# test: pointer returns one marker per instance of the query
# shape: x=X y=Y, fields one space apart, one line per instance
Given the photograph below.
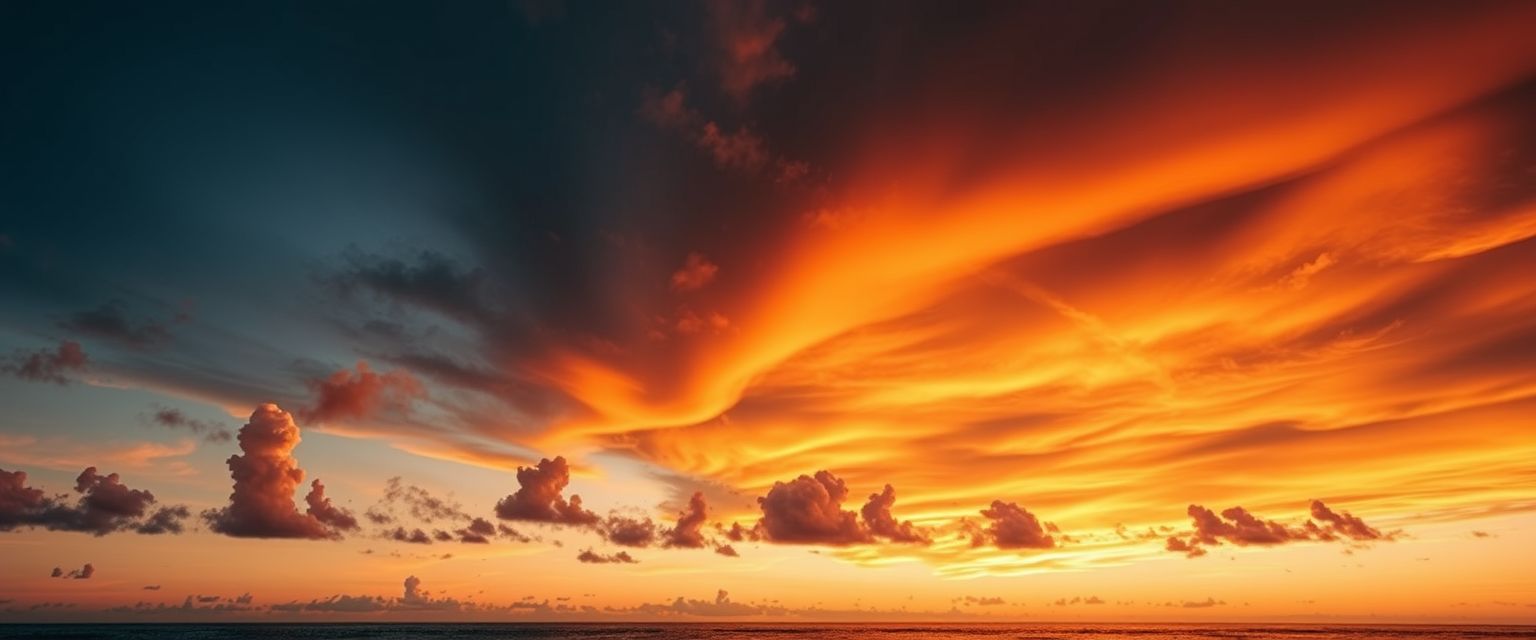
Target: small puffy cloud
x=348 y=395
x=538 y=497
x=83 y=573
x=1012 y=527
x=412 y=536
x=106 y=505
x=628 y=532
x=266 y=476
x=696 y=272
x=44 y=365
x=741 y=149
x=1202 y=604
x=877 y=516
x=980 y=601
x=688 y=533
x=591 y=557
x=810 y=510
x=727 y=551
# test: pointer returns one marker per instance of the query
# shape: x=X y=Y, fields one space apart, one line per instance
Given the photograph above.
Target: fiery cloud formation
x=266 y=476
x=877 y=300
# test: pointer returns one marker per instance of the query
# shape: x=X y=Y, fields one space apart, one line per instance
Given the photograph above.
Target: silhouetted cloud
x=105 y=506
x=688 y=533
x=727 y=550
x=83 y=573
x=1012 y=527
x=266 y=477
x=413 y=536
x=809 y=510
x=43 y=365
x=538 y=498
x=320 y=508
x=591 y=557
x=627 y=531
x=877 y=515
x=1237 y=526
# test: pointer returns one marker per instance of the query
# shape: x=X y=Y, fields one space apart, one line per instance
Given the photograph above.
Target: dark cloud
x=479 y=531
x=83 y=573
x=810 y=510
x=1012 y=527
x=591 y=557
x=151 y=587
x=110 y=322
x=348 y=395
x=1239 y=527
x=538 y=498
x=727 y=550
x=105 y=506
x=413 y=536
x=320 y=508
x=1343 y=523
x=43 y=365
x=266 y=477
x=877 y=516
x=175 y=419
x=627 y=531
x=720 y=606
x=688 y=533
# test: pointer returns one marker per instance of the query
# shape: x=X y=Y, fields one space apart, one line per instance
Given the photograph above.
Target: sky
x=770 y=311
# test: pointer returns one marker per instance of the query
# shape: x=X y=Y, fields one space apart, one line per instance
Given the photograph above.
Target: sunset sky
x=1058 y=311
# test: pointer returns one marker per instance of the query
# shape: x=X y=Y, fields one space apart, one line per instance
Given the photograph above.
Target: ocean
x=521 y=631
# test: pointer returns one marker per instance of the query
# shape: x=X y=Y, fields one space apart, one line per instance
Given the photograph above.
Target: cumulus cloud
x=83 y=573
x=44 y=365
x=1343 y=523
x=538 y=497
x=320 y=508
x=696 y=272
x=1238 y=526
x=266 y=477
x=105 y=506
x=362 y=394
x=175 y=419
x=720 y=606
x=810 y=510
x=627 y=531
x=412 y=536
x=1012 y=527
x=877 y=516
x=688 y=533
x=591 y=557
x=727 y=550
